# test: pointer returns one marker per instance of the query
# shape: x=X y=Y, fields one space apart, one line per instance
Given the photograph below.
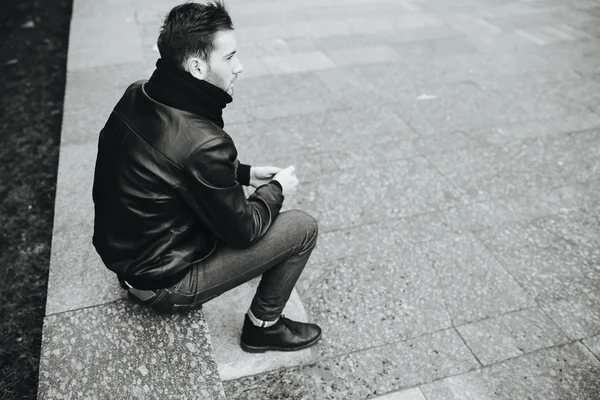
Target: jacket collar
x=177 y=88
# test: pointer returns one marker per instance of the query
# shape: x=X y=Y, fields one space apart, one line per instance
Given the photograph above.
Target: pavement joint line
x=318 y=360
x=85 y=307
x=474 y=231
x=552 y=319
x=393 y=391
x=588 y=349
x=567 y=298
x=500 y=362
x=433 y=263
x=490 y=317
x=446 y=179
x=502 y=265
x=335 y=356
x=570 y=342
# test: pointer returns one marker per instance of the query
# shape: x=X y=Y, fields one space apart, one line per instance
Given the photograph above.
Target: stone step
x=122 y=350
x=225 y=315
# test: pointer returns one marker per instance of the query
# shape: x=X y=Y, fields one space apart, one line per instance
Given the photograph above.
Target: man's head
x=200 y=38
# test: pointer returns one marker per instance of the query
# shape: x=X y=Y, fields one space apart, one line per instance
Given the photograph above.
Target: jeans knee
x=309 y=225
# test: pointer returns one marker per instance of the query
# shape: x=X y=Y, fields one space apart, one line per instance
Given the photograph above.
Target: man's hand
x=262 y=175
x=287 y=178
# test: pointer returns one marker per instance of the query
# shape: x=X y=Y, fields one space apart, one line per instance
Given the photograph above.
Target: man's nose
x=238 y=68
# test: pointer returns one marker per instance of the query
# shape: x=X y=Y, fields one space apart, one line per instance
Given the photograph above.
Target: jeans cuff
x=260 y=322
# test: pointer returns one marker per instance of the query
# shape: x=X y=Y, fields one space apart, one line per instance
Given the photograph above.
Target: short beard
x=215 y=80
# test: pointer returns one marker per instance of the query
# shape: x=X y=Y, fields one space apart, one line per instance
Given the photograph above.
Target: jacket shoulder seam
x=200 y=146
x=146 y=143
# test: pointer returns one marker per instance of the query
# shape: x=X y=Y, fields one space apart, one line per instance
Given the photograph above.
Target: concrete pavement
x=449 y=150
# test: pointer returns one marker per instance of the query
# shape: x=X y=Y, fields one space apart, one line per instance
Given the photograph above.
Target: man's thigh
x=230 y=267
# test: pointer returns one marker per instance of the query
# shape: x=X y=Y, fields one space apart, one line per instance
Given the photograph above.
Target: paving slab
x=407 y=301
x=127 y=349
x=549 y=17
x=363 y=374
x=593 y=344
x=505 y=210
x=499 y=134
x=293 y=108
x=487 y=289
x=224 y=318
x=377 y=154
x=142 y=9
x=421 y=72
x=471 y=25
x=506 y=42
x=365 y=55
x=82 y=95
x=318 y=132
x=542 y=102
x=550 y=257
x=377 y=238
x=580 y=196
x=77 y=276
x=578 y=316
x=415 y=186
x=312 y=274
x=458 y=106
x=299 y=62
x=511 y=335
x=498 y=11
x=349 y=158
x=394 y=36
x=73 y=203
x=92 y=45
x=434 y=48
x=521 y=167
x=584 y=92
x=273 y=89
x=565 y=372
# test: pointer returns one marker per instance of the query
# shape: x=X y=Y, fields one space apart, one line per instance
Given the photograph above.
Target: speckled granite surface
x=362 y=374
x=125 y=351
x=559 y=373
x=448 y=149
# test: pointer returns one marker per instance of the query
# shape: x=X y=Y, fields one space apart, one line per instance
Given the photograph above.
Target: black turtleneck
x=174 y=87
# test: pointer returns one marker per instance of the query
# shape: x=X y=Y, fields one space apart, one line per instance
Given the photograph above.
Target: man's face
x=223 y=64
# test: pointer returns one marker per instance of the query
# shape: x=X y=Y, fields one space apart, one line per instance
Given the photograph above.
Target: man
x=171 y=217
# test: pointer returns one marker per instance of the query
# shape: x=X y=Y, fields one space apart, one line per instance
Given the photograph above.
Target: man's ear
x=197 y=67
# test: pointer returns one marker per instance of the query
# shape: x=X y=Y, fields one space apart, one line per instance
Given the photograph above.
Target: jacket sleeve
x=242 y=173
x=211 y=189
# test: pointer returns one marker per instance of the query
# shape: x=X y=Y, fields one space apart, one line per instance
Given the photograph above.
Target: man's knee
x=307 y=223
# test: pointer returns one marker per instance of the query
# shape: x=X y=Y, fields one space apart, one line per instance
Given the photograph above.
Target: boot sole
x=262 y=349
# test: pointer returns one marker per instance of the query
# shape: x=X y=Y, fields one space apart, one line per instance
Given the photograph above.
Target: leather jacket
x=166 y=190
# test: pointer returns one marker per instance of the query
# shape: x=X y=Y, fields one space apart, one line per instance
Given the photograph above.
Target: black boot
x=285 y=335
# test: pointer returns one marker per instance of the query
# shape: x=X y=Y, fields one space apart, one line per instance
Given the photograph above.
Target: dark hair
x=189 y=30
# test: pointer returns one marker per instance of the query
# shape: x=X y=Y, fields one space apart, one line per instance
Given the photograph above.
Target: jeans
x=280 y=256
